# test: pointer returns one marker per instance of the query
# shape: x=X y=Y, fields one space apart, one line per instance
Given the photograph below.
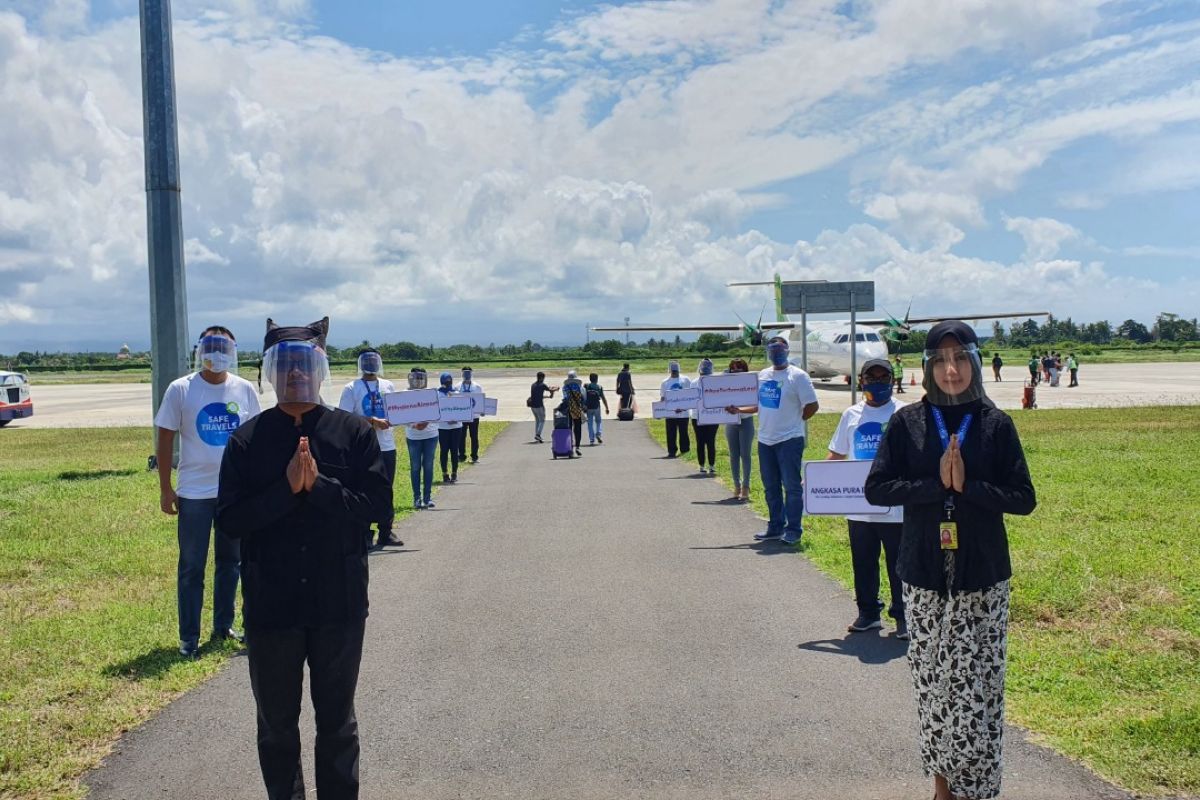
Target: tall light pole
x=164 y=217
x=627 y=332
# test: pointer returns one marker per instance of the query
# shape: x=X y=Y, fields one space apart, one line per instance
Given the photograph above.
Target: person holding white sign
x=677 y=424
x=470 y=429
x=449 y=433
x=364 y=397
x=739 y=439
x=422 y=441
x=706 y=434
x=955 y=462
x=857 y=437
x=786 y=399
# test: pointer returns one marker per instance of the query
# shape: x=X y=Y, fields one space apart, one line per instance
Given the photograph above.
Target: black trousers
x=706 y=443
x=276 y=661
x=865 y=541
x=472 y=429
x=389 y=463
x=626 y=400
x=677 y=430
x=448 y=443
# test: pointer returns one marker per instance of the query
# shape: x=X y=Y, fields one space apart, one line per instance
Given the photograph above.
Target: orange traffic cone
x=912 y=380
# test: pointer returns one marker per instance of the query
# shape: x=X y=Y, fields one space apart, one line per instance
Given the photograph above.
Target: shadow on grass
x=866 y=647
x=95 y=474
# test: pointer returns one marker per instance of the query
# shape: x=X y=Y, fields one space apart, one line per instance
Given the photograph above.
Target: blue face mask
x=777 y=355
x=878 y=393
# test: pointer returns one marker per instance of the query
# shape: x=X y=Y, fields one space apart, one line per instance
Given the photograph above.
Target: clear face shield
x=370 y=364
x=705 y=367
x=216 y=353
x=417 y=379
x=953 y=373
x=296 y=371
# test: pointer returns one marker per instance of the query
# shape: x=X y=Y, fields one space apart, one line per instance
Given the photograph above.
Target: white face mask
x=217 y=362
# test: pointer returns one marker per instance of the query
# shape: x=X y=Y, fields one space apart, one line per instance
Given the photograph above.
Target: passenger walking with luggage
x=625 y=392
x=678 y=440
x=955 y=462
x=538 y=393
x=593 y=394
x=706 y=435
x=739 y=439
x=574 y=406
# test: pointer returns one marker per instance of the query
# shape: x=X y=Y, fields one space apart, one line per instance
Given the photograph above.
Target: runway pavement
x=593 y=628
x=1101 y=386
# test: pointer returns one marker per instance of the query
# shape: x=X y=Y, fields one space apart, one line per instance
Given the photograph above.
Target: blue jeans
x=421 y=453
x=593 y=415
x=196 y=518
x=779 y=466
x=539 y=421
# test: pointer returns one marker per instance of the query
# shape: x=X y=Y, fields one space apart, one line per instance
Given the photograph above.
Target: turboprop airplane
x=829 y=342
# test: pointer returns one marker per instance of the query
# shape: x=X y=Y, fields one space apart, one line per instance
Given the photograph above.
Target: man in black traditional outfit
x=300 y=485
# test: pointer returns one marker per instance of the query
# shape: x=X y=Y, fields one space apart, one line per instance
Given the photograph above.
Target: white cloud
x=1043 y=236
x=615 y=170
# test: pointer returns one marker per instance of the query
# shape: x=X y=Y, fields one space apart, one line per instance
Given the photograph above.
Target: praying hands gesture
x=302 y=469
x=954 y=473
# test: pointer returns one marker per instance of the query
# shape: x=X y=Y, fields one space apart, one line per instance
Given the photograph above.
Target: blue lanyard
x=945 y=437
x=944 y=434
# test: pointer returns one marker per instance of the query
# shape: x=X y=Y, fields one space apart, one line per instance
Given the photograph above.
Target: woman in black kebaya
x=955 y=463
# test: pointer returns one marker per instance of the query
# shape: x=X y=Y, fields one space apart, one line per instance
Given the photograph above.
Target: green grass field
x=87 y=601
x=1104 y=649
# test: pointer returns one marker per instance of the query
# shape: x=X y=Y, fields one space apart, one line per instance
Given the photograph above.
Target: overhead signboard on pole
x=837 y=297
x=840 y=297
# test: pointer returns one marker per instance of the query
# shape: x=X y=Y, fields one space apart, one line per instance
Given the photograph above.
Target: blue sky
x=491 y=172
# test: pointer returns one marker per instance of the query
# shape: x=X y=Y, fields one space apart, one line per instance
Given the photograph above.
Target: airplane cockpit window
x=872 y=337
x=841 y=338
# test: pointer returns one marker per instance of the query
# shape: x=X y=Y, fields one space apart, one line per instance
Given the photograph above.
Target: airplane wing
x=736 y=328
x=963 y=317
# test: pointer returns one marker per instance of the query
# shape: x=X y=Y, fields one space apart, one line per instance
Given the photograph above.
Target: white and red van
x=14 y=397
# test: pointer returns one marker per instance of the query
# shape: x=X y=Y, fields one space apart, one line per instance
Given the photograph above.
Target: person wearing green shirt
x=1035 y=364
x=1073 y=367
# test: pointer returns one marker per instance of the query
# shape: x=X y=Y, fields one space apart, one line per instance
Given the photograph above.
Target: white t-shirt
x=782 y=396
x=430 y=431
x=366 y=400
x=477 y=402
x=858 y=436
x=205 y=415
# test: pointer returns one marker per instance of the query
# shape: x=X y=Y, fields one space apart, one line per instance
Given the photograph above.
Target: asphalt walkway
x=594 y=628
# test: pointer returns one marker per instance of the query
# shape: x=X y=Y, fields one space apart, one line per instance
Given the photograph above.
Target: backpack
x=593 y=397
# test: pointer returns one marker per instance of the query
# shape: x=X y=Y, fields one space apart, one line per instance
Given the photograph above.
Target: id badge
x=948 y=534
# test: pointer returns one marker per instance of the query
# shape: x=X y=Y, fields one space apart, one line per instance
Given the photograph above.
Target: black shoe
x=862 y=623
x=445 y=478
x=598 y=439
x=474 y=460
x=454 y=478
x=392 y=540
x=229 y=633
x=902 y=630
x=190 y=651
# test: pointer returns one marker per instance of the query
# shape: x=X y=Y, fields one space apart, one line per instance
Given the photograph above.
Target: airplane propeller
x=899 y=330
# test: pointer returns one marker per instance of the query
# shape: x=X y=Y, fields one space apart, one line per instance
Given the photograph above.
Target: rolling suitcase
x=561 y=443
x=625 y=414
